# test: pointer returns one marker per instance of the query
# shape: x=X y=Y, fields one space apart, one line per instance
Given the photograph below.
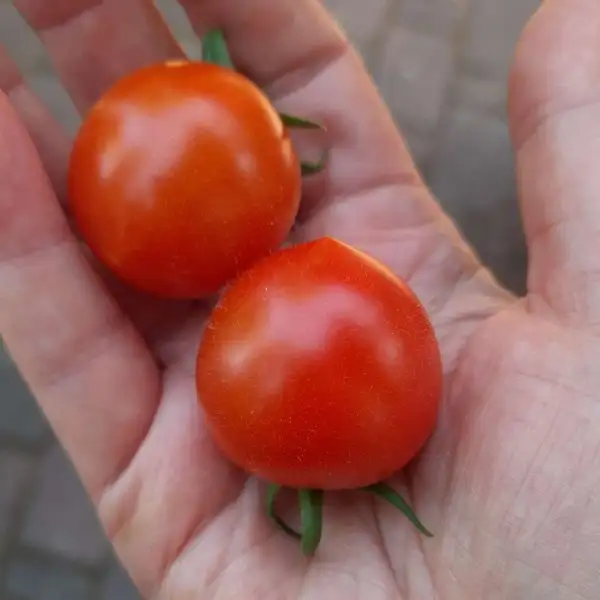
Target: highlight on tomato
x=319 y=370
x=184 y=174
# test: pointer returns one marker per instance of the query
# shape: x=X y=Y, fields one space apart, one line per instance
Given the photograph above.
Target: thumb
x=554 y=111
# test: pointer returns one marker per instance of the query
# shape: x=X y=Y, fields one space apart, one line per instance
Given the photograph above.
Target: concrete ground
x=441 y=66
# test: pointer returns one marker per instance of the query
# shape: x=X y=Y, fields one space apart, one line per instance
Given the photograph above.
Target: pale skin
x=509 y=483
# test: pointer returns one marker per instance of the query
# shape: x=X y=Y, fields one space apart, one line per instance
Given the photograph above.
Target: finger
x=555 y=124
x=93 y=43
x=294 y=49
x=85 y=363
x=50 y=138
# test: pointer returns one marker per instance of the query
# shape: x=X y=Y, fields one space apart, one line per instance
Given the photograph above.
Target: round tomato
x=319 y=369
x=181 y=176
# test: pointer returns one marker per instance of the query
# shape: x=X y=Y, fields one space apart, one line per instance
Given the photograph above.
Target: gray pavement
x=441 y=65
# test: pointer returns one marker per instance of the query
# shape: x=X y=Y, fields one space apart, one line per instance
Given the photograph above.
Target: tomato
x=181 y=176
x=319 y=369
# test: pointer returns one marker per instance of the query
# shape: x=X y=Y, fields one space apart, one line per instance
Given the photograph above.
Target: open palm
x=508 y=482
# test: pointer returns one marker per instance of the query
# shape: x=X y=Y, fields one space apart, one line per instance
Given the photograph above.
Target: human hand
x=508 y=482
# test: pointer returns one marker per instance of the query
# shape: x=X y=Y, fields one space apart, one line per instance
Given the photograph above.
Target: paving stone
x=191 y=48
x=361 y=20
x=118 y=586
x=20 y=417
x=180 y=26
x=47 y=86
x=493 y=31
x=440 y=17
x=36 y=579
x=413 y=77
x=61 y=519
x=16 y=472
x=420 y=147
x=472 y=174
x=20 y=41
x=481 y=95
x=5 y=358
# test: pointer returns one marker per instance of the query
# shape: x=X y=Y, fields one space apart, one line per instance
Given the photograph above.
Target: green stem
x=292 y=121
x=272 y=492
x=214 y=49
x=311 y=513
x=312 y=168
x=388 y=494
x=311 y=516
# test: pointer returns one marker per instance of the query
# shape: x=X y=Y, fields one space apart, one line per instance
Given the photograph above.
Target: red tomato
x=319 y=369
x=181 y=176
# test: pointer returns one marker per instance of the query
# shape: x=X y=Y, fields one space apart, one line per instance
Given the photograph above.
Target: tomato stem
x=311 y=517
x=214 y=49
x=312 y=168
x=272 y=492
x=295 y=122
x=311 y=513
x=387 y=493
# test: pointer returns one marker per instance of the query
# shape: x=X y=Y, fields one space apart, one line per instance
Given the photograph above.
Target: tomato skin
x=181 y=176
x=319 y=369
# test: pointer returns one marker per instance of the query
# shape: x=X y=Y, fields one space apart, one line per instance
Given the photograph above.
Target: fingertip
x=555 y=65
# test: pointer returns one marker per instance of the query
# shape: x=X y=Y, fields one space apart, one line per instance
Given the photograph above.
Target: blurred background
x=442 y=67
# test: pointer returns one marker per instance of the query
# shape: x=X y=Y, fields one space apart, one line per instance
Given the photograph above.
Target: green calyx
x=312 y=168
x=298 y=122
x=216 y=51
x=385 y=492
x=311 y=517
x=272 y=493
x=311 y=513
